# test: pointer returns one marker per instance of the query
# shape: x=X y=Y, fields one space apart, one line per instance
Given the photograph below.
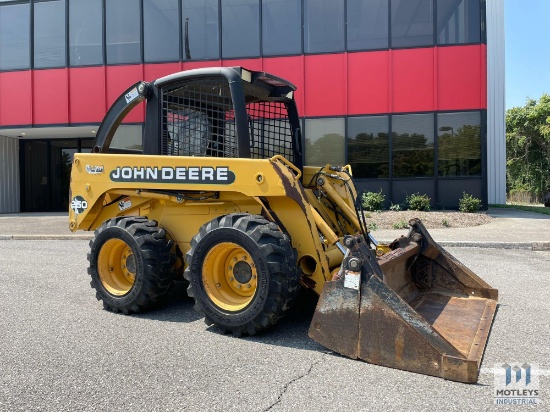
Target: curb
x=534 y=246
x=46 y=237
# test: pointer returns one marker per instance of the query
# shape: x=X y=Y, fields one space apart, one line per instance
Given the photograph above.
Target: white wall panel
x=496 y=120
x=9 y=175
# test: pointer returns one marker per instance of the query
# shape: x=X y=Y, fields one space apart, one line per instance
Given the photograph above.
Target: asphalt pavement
x=510 y=229
x=60 y=351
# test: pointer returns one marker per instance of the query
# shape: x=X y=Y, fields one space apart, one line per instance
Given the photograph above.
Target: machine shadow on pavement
x=177 y=307
x=290 y=331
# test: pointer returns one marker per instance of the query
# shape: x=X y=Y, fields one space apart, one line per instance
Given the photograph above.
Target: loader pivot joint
x=354 y=264
x=349 y=241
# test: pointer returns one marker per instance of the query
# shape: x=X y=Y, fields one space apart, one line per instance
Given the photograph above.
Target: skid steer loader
x=216 y=190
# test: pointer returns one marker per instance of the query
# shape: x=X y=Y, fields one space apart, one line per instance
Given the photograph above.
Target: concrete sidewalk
x=510 y=228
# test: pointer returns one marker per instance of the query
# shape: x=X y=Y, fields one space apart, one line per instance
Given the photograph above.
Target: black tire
x=273 y=268
x=131 y=264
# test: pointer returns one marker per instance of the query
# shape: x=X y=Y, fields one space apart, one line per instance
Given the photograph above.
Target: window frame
x=64 y=40
x=102 y=34
x=30 y=38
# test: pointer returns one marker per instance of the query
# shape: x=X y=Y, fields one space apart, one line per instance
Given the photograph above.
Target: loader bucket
x=415 y=308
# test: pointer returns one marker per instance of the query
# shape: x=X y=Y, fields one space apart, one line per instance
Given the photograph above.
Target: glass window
x=458 y=21
x=85 y=32
x=15 y=37
x=367 y=24
x=123 y=31
x=411 y=23
x=368 y=146
x=240 y=28
x=128 y=137
x=324 y=26
x=161 y=30
x=200 y=30
x=49 y=34
x=324 y=141
x=459 y=144
x=413 y=145
x=282 y=27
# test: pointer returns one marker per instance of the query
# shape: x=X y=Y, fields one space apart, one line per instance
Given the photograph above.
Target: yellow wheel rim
x=229 y=276
x=116 y=265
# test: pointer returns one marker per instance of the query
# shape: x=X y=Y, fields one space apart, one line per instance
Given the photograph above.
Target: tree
x=528 y=147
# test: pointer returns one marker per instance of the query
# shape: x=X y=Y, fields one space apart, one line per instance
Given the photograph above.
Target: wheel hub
x=242 y=272
x=116 y=267
x=229 y=276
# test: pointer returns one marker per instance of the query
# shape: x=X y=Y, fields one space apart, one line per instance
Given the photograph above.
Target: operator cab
x=211 y=112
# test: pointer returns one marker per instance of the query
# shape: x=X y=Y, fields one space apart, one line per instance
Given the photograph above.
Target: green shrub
x=468 y=203
x=445 y=223
x=416 y=201
x=373 y=201
x=397 y=207
x=400 y=225
x=372 y=226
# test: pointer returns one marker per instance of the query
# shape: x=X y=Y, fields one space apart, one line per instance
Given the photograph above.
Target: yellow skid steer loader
x=215 y=190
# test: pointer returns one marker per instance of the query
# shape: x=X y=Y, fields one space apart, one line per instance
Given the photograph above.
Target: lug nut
x=218 y=285
x=248 y=285
x=230 y=268
x=231 y=279
x=239 y=286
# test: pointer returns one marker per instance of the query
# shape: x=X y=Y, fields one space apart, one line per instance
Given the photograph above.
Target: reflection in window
x=282 y=27
x=128 y=137
x=459 y=144
x=49 y=34
x=161 y=30
x=411 y=23
x=413 y=145
x=15 y=37
x=368 y=146
x=85 y=32
x=200 y=29
x=240 y=28
x=324 y=26
x=458 y=21
x=367 y=24
x=123 y=31
x=324 y=141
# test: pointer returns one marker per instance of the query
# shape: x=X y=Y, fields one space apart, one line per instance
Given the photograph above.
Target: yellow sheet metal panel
x=93 y=175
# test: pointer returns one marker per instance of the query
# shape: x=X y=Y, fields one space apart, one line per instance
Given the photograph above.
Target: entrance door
x=45 y=173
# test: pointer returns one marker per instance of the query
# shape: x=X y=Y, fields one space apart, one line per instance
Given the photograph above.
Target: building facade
x=409 y=92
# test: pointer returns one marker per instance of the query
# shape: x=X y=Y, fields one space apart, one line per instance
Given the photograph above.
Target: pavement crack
x=287 y=385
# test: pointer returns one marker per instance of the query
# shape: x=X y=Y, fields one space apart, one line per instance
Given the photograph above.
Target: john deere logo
x=220 y=175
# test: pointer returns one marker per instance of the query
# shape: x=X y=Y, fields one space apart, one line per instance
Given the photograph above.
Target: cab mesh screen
x=198 y=119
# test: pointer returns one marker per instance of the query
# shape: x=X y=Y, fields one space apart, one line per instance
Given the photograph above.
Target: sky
x=527 y=40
